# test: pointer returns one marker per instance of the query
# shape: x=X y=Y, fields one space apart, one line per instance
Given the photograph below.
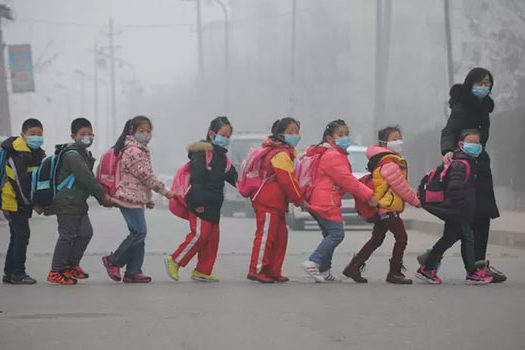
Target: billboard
x=21 y=67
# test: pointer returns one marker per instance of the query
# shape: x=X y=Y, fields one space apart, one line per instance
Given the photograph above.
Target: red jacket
x=333 y=179
x=282 y=187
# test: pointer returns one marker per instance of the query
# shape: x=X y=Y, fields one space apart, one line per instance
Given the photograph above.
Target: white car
x=357 y=154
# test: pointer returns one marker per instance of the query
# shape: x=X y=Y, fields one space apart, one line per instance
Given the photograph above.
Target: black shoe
x=497 y=276
x=6 y=279
x=22 y=279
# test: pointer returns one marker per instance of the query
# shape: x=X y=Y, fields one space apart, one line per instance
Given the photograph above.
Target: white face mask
x=395 y=146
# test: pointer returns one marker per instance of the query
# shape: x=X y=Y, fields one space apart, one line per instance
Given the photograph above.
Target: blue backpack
x=43 y=182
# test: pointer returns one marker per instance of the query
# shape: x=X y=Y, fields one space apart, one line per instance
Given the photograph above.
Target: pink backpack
x=305 y=172
x=252 y=177
x=181 y=185
x=108 y=171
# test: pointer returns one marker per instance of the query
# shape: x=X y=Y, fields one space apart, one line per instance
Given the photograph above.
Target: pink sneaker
x=478 y=277
x=112 y=270
x=429 y=276
x=138 y=278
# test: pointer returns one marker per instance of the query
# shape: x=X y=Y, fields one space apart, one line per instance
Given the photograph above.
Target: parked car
x=240 y=145
x=297 y=217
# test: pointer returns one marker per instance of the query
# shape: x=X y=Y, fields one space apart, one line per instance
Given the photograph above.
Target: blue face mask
x=221 y=141
x=292 y=140
x=34 y=142
x=480 y=91
x=343 y=142
x=472 y=149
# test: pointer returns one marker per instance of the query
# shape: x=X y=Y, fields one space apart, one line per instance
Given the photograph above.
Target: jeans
x=74 y=234
x=333 y=233
x=15 y=258
x=130 y=253
x=453 y=232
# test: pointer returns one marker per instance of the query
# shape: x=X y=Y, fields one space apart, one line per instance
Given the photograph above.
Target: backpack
x=431 y=189
x=306 y=171
x=252 y=178
x=108 y=171
x=181 y=185
x=43 y=180
x=3 y=164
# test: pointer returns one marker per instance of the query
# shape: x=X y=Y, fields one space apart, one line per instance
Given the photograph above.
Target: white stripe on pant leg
x=263 y=242
x=192 y=242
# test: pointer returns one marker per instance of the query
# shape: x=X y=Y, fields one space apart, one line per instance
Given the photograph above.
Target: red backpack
x=306 y=171
x=181 y=185
x=108 y=171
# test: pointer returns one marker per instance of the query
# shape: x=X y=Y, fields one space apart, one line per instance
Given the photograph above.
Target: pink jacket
x=136 y=176
x=394 y=177
x=333 y=179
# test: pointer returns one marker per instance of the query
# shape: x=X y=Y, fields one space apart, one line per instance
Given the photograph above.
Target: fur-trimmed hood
x=460 y=94
x=203 y=146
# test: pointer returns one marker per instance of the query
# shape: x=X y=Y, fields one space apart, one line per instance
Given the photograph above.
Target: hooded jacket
x=391 y=187
x=206 y=194
x=78 y=161
x=282 y=187
x=468 y=112
x=21 y=162
x=334 y=178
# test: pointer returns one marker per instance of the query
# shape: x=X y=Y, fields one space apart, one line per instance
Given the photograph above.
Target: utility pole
x=112 y=79
x=448 y=36
x=292 y=58
x=5 y=118
x=199 y=37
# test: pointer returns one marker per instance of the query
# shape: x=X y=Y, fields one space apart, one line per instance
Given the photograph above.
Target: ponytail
x=130 y=128
x=331 y=128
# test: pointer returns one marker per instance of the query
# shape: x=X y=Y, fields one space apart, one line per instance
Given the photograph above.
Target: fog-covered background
x=330 y=74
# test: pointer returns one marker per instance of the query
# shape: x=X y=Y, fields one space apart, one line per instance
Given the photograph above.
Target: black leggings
x=481 y=229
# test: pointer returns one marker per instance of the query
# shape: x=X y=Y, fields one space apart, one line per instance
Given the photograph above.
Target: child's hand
x=170 y=194
x=373 y=202
x=39 y=210
x=107 y=201
x=305 y=206
x=150 y=205
x=447 y=158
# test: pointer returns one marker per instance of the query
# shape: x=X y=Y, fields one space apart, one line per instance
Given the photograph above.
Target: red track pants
x=204 y=240
x=269 y=245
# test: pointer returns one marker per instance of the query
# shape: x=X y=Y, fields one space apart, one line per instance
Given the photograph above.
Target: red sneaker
x=112 y=270
x=280 y=278
x=260 y=277
x=76 y=272
x=138 y=278
x=59 y=278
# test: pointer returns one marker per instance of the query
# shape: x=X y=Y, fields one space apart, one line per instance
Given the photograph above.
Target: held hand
x=305 y=206
x=150 y=205
x=107 y=202
x=447 y=158
x=169 y=194
x=373 y=202
x=38 y=209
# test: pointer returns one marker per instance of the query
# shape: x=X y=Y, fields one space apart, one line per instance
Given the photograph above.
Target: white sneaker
x=328 y=277
x=312 y=269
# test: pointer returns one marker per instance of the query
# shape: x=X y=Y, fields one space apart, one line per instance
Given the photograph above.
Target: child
x=333 y=179
x=70 y=205
x=209 y=168
x=23 y=156
x=132 y=195
x=460 y=200
x=391 y=189
x=271 y=203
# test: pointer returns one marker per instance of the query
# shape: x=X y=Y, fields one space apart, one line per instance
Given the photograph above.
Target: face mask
x=221 y=141
x=343 y=142
x=480 y=91
x=472 y=149
x=34 y=142
x=396 y=146
x=142 y=138
x=84 y=141
x=292 y=140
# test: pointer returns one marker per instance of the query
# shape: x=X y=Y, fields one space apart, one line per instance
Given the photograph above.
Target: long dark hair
x=216 y=125
x=280 y=125
x=331 y=128
x=475 y=76
x=130 y=128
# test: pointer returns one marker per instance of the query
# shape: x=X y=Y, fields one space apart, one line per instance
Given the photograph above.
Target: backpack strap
x=209 y=157
x=468 y=169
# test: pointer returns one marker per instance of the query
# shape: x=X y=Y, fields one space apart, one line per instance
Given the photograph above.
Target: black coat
x=468 y=112
x=461 y=194
x=206 y=194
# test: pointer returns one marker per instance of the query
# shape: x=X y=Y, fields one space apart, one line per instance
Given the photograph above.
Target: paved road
x=238 y=314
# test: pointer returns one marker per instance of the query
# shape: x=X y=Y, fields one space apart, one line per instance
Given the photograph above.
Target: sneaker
x=22 y=279
x=328 y=277
x=59 y=278
x=260 y=277
x=201 y=277
x=138 y=278
x=112 y=270
x=312 y=269
x=172 y=268
x=280 y=279
x=497 y=276
x=76 y=272
x=422 y=259
x=478 y=277
x=6 y=279
x=428 y=276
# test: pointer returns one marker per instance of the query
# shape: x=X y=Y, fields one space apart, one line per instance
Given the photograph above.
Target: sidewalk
x=507 y=230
